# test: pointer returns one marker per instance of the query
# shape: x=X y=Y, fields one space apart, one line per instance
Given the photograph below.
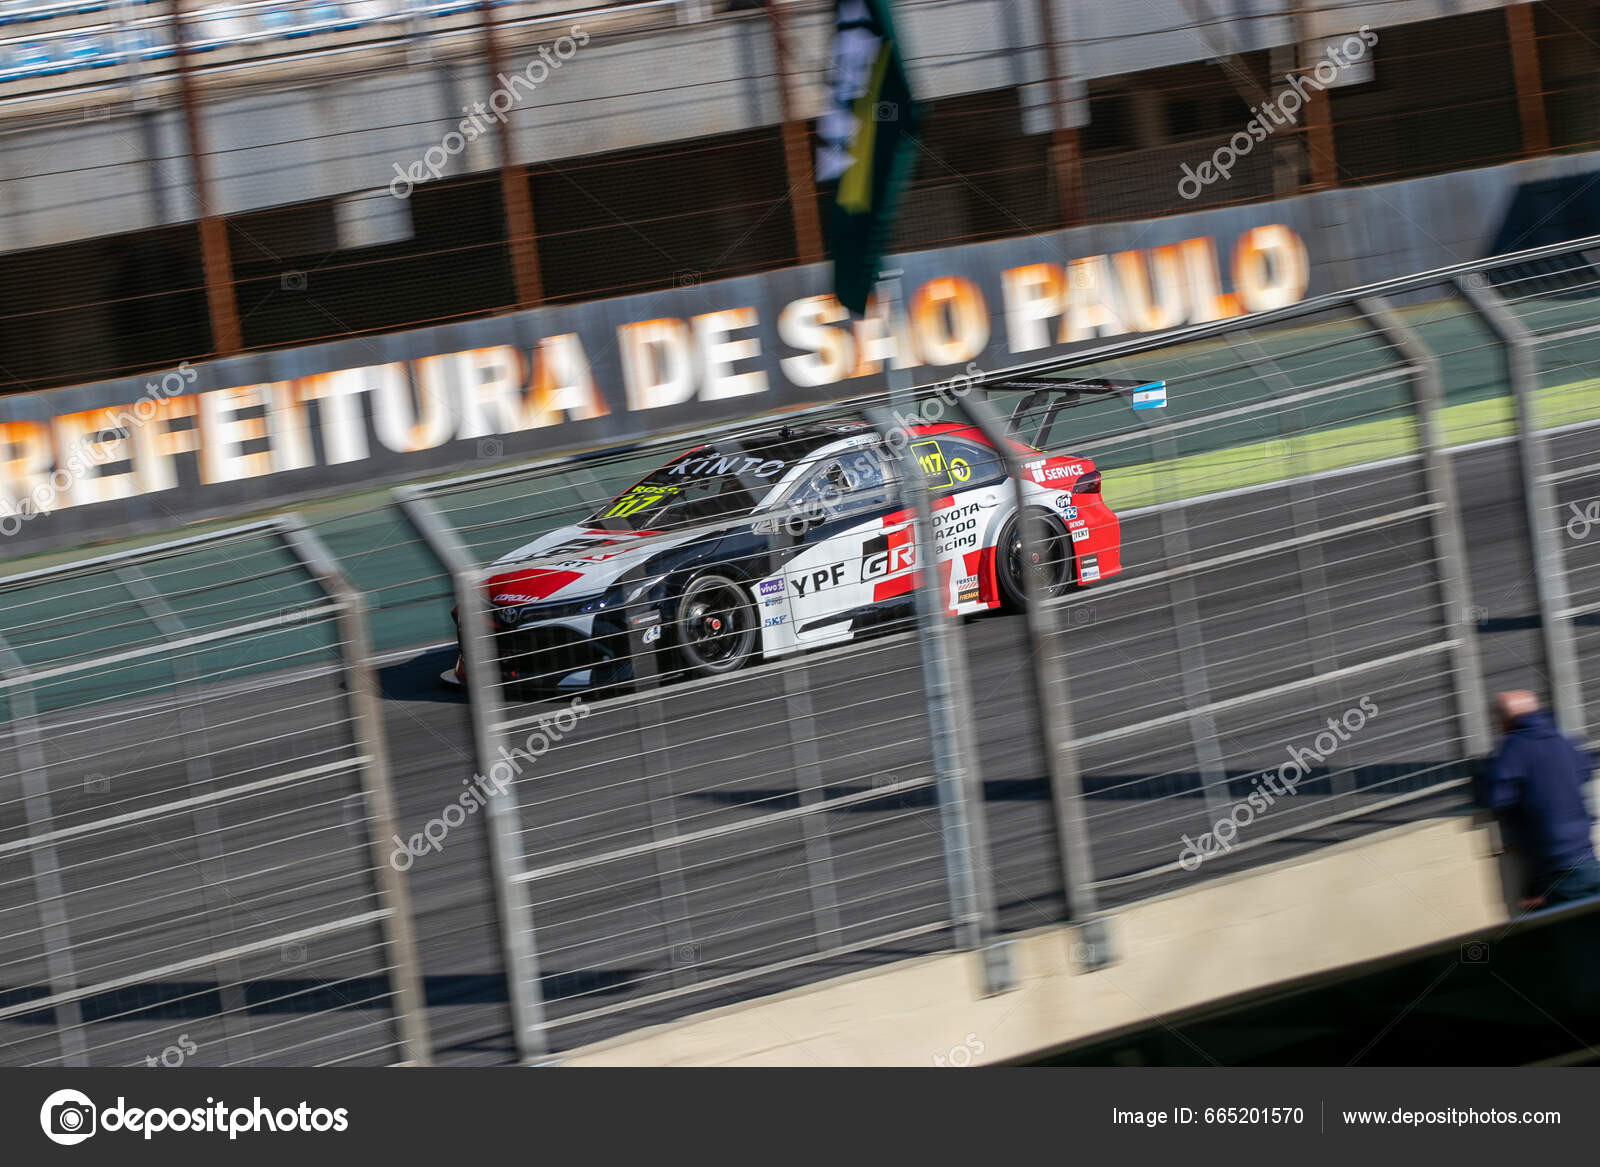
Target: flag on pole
x=867 y=136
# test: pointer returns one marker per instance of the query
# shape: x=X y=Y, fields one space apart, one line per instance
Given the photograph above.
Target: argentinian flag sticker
x=1151 y=396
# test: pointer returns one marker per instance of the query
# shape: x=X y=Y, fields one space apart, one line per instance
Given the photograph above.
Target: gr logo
x=68 y=1117
x=886 y=554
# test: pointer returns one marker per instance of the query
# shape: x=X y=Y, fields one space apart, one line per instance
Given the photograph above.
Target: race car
x=773 y=542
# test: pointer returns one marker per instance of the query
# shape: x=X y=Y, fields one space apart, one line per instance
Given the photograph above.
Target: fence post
x=524 y=984
x=958 y=779
x=1053 y=701
x=394 y=892
x=655 y=772
x=1448 y=546
x=1312 y=569
x=44 y=861
x=1194 y=672
x=208 y=826
x=1548 y=562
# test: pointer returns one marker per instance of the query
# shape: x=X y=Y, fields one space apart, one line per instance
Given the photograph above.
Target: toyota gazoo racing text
x=768 y=543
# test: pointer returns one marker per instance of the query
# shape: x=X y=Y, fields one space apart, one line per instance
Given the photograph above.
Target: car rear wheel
x=1043 y=560
x=716 y=628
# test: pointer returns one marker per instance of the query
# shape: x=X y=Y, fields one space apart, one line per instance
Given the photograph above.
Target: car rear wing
x=1045 y=399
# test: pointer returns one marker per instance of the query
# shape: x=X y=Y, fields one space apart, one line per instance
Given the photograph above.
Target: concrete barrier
x=1373 y=897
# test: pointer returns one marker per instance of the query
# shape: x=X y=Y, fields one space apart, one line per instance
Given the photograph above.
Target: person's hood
x=1536 y=724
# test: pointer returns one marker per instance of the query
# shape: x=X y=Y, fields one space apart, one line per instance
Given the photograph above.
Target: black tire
x=717 y=628
x=1048 y=557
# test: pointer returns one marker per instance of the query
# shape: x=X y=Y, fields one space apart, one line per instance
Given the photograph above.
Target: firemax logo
x=69 y=1117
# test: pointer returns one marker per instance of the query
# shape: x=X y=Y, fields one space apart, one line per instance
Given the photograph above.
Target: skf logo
x=888 y=555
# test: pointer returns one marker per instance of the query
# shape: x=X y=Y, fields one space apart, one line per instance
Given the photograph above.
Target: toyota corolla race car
x=765 y=544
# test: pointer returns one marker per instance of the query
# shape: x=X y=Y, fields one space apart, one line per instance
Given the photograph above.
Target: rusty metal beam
x=796 y=145
x=514 y=193
x=1530 y=85
x=1066 y=157
x=1317 y=113
x=221 y=305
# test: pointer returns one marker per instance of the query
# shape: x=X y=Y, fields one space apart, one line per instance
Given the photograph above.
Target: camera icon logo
x=68 y=1117
x=1475 y=952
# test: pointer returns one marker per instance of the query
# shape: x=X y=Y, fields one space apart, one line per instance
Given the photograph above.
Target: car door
x=850 y=546
x=970 y=495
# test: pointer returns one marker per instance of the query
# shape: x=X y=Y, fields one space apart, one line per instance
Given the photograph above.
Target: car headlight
x=609 y=598
x=637 y=591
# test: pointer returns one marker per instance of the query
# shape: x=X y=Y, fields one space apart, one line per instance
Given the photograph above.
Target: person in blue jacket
x=1535 y=781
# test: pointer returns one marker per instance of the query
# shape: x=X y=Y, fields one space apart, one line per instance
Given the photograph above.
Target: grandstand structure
x=40 y=41
x=181 y=179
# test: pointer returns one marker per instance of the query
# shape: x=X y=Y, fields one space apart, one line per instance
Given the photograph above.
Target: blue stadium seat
x=329 y=17
x=149 y=47
x=36 y=59
x=276 y=20
x=88 y=52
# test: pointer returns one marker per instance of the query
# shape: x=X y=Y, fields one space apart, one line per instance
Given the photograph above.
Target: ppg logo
x=68 y=1117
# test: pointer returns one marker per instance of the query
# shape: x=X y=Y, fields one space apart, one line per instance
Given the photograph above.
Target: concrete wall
x=1374 y=897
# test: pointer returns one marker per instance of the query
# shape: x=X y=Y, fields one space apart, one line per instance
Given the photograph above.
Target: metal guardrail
x=160 y=806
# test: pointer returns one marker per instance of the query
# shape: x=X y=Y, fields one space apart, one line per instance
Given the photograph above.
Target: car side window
x=955 y=463
x=851 y=479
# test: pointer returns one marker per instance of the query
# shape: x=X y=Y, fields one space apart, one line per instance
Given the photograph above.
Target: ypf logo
x=68 y=1117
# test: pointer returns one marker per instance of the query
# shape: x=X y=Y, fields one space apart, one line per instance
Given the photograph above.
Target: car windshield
x=701 y=486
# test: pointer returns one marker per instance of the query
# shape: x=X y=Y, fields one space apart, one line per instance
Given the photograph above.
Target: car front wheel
x=716 y=628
